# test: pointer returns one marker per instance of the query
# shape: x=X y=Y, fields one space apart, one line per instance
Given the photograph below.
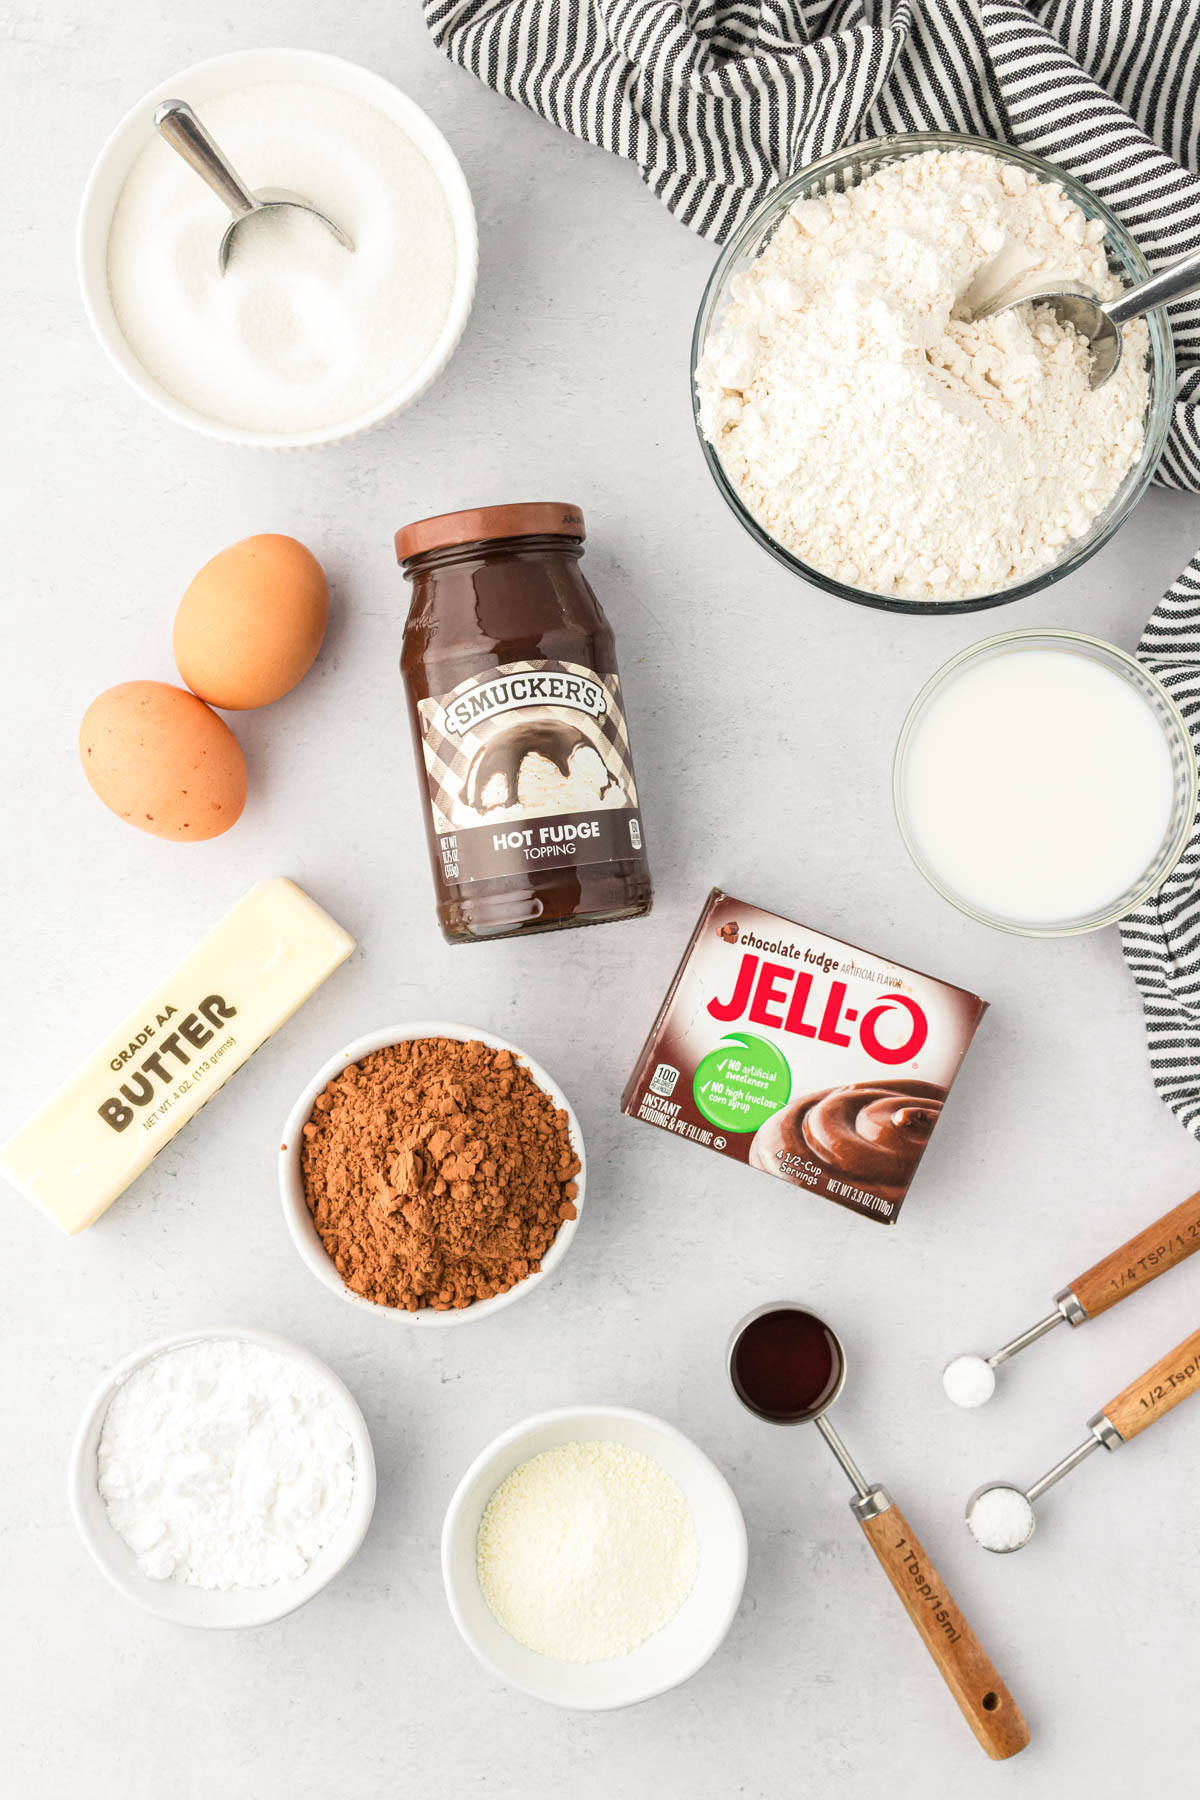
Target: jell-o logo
x=783 y=999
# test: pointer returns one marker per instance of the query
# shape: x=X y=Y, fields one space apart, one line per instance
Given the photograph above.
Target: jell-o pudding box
x=808 y=1058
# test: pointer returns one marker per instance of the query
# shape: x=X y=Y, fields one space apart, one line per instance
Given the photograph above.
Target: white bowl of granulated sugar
x=628 y=1602
x=300 y=342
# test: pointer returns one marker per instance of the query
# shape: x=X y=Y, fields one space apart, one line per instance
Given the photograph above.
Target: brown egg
x=160 y=758
x=251 y=623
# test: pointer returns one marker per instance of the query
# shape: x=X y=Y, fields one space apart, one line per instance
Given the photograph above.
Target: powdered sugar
x=586 y=1551
x=880 y=435
x=225 y=1464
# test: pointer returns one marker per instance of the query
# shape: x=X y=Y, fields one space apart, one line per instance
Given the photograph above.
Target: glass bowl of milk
x=1045 y=783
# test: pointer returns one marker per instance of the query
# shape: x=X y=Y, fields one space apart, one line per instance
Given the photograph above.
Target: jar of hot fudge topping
x=531 y=803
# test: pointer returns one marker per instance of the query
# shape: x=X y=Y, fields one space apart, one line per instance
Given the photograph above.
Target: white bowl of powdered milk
x=593 y=1557
x=301 y=342
x=222 y=1477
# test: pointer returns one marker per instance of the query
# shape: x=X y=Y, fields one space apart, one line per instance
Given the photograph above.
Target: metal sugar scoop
x=178 y=124
x=788 y=1367
x=1000 y=1515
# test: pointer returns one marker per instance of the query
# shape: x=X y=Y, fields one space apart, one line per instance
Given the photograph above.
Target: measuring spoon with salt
x=788 y=1367
x=178 y=124
x=970 y=1379
x=1000 y=1516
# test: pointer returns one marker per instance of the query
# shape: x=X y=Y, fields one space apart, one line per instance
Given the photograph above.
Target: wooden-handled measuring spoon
x=1001 y=1516
x=969 y=1380
x=788 y=1366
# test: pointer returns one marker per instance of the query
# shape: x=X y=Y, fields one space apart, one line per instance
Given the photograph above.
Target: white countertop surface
x=763 y=716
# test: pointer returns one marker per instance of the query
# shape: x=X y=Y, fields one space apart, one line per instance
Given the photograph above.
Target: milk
x=1038 y=786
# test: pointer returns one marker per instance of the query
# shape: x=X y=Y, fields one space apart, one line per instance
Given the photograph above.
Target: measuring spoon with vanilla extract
x=788 y=1367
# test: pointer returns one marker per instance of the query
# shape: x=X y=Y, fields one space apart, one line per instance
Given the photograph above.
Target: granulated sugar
x=586 y=1551
x=881 y=436
x=300 y=333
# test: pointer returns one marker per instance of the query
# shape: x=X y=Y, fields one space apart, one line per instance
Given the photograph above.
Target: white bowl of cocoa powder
x=433 y=1172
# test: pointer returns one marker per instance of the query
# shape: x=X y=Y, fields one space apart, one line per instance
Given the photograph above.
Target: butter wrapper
x=160 y=1065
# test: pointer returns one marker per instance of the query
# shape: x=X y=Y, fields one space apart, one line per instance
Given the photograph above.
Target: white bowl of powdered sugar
x=872 y=433
x=301 y=341
x=593 y=1557
x=222 y=1477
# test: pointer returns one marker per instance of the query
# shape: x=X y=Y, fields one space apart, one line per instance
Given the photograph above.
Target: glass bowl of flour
x=868 y=433
x=300 y=342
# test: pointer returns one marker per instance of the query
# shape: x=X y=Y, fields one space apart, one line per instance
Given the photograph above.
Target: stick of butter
x=190 y=1034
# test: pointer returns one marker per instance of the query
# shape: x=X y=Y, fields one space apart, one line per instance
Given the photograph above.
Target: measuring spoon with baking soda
x=788 y=1367
x=1001 y=1516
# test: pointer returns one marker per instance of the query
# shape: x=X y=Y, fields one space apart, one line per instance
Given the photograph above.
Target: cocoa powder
x=437 y=1173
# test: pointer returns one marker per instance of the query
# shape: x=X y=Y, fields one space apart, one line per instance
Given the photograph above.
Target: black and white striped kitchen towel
x=717 y=100
x=1161 y=940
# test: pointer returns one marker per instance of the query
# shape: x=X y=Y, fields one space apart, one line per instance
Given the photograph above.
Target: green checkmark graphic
x=753 y=1081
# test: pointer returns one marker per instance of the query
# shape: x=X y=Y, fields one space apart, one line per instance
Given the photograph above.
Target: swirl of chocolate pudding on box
x=762 y=1010
x=873 y=1133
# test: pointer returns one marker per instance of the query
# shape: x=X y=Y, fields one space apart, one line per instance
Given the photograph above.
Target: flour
x=586 y=1551
x=225 y=1465
x=880 y=436
x=299 y=333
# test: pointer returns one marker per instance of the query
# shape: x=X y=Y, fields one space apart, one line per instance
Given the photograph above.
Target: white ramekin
x=673 y=1654
x=173 y=1600
x=204 y=81
x=299 y=1220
